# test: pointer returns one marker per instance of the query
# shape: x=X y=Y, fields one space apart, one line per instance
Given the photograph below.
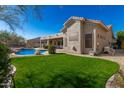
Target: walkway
x=114 y=81
x=118 y=58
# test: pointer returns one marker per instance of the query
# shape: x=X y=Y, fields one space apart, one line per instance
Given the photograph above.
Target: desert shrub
x=51 y=49
x=4 y=61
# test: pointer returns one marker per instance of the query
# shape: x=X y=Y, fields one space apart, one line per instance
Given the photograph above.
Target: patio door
x=88 y=43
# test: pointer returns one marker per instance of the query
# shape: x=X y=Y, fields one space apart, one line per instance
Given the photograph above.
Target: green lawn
x=62 y=70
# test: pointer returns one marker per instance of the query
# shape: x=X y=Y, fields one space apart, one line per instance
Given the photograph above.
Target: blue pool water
x=28 y=52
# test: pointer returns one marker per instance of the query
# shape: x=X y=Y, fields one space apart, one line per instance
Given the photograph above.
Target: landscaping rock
x=116 y=81
x=8 y=79
x=37 y=52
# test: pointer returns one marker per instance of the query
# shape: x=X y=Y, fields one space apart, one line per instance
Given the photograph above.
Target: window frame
x=88 y=41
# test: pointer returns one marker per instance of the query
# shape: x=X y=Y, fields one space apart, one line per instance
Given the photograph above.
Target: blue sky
x=53 y=18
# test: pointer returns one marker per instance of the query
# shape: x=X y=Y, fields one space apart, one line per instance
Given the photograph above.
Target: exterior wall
x=88 y=28
x=79 y=30
x=71 y=38
x=33 y=43
x=104 y=38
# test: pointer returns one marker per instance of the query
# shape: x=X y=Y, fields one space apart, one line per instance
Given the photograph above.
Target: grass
x=62 y=70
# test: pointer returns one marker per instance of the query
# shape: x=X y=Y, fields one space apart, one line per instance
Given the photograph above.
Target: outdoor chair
x=109 y=50
x=92 y=53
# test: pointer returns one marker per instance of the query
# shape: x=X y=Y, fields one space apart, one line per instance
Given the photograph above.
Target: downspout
x=82 y=37
x=94 y=33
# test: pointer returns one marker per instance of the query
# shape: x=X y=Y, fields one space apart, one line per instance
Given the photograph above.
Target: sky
x=53 y=18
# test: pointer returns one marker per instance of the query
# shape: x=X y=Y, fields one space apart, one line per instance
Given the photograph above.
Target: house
x=33 y=43
x=81 y=35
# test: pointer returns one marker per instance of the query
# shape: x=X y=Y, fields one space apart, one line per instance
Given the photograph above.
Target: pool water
x=29 y=52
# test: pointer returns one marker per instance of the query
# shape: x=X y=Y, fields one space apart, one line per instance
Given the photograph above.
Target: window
x=88 y=41
x=65 y=42
x=101 y=36
x=98 y=35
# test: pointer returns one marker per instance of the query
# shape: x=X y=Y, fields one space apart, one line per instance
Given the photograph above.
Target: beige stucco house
x=80 y=35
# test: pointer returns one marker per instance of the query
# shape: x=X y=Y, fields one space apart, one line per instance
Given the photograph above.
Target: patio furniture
x=92 y=53
x=109 y=50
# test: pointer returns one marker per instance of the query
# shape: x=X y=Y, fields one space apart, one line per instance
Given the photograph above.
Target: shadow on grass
x=69 y=79
x=72 y=80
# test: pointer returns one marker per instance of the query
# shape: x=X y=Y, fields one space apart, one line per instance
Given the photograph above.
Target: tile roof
x=84 y=19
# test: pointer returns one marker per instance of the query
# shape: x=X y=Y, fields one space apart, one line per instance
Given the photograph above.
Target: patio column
x=48 y=42
x=40 y=43
x=94 y=43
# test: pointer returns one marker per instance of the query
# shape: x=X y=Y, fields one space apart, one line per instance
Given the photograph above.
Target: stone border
x=8 y=79
x=109 y=83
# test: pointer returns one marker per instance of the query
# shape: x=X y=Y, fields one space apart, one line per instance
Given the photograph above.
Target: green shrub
x=51 y=49
x=4 y=61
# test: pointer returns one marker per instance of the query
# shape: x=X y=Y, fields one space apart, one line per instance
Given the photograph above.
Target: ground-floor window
x=65 y=39
x=88 y=41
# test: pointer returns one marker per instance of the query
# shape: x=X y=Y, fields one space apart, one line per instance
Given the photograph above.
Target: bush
x=4 y=61
x=51 y=49
x=120 y=35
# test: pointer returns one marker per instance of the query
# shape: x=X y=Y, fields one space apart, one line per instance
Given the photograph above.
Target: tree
x=11 y=39
x=15 y=16
x=4 y=63
x=120 y=36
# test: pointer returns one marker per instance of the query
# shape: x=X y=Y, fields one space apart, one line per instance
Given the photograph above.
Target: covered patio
x=56 y=40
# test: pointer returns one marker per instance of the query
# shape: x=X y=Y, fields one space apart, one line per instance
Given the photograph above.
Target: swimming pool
x=29 y=52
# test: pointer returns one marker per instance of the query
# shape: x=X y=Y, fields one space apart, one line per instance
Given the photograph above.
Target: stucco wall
x=72 y=35
x=77 y=32
x=88 y=28
x=104 y=38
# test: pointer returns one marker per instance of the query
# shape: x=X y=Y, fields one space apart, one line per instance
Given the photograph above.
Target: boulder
x=37 y=52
